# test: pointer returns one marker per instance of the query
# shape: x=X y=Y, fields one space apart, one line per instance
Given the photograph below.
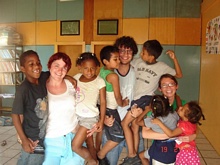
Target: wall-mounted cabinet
x=10 y=75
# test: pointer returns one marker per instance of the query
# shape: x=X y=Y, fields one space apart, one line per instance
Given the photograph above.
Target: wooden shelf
x=10 y=75
x=5 y=108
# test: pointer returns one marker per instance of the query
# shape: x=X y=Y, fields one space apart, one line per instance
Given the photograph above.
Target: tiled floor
x=10 y=152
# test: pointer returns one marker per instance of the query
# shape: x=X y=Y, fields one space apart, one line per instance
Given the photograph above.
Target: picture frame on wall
x=70 y=27
x=107 y=27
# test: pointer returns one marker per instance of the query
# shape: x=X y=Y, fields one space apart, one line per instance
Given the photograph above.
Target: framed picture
x=108 y=27
x=70 y=27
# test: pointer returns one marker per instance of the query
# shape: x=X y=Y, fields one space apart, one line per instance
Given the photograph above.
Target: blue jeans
x=115 y=153
x=30 y=159
x=58 y=151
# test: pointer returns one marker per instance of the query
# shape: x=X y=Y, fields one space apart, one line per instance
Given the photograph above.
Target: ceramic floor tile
x=202 y=161
x=202 y=141
x=209 y=154
x=205 y=147
x=9 y=153
x=18 y=155
x=3 y=160
x=11 y=162
x=4 y=137
x=10 y=132
x=200 y=136
x=212 y=161
x=12 y=138
x=7 y=146
x=16 y=146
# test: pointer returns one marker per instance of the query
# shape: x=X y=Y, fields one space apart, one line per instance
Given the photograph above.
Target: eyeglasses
x=128 y=51
x=168 y=85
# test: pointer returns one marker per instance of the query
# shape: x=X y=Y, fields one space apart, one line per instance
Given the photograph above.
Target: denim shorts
x=141 y=102
x=114 y=154
x=30 y=159
x=58 y=151
x=115 y=132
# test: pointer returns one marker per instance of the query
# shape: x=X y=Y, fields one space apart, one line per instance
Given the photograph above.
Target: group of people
x=56 y=114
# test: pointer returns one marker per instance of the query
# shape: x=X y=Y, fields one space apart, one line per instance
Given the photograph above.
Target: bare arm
x=170 y=133
x=102 y=96
x=114 y=80
x=27 y=144
x=72 y=80
x=150 y=134
x=140 y=118
x=177 y=67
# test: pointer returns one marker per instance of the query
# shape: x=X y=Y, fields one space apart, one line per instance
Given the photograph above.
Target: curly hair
x=127 y=42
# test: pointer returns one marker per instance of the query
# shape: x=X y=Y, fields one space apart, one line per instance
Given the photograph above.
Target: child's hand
x=99 y=126
x=28 y=145
x=109 y=120
x=35 y=143
x=171 y=54
x=187 y=138
x=183 y=138
x=147 y=108
x=135 y=112
x=125 y=102
x=156 y=121
x=92 y=130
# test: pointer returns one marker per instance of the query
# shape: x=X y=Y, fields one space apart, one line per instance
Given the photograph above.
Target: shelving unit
x=10 y=76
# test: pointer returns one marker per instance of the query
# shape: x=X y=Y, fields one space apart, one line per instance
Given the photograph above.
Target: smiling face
x=88 y=69
x=58 y=69
x=168 y=87
x=32 y=68
x=125 y=55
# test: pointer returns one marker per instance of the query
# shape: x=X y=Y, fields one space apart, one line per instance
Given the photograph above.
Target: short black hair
x=25 y=54
x=106 y=52
x=153 y=48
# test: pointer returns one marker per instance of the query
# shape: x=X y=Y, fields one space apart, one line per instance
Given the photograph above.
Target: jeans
x=58 y=151
x=30 y=159
x=114 y=154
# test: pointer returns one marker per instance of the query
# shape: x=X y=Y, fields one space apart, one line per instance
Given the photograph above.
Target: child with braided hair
x=90 y=88
x=190 y=114
x=162 y=151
